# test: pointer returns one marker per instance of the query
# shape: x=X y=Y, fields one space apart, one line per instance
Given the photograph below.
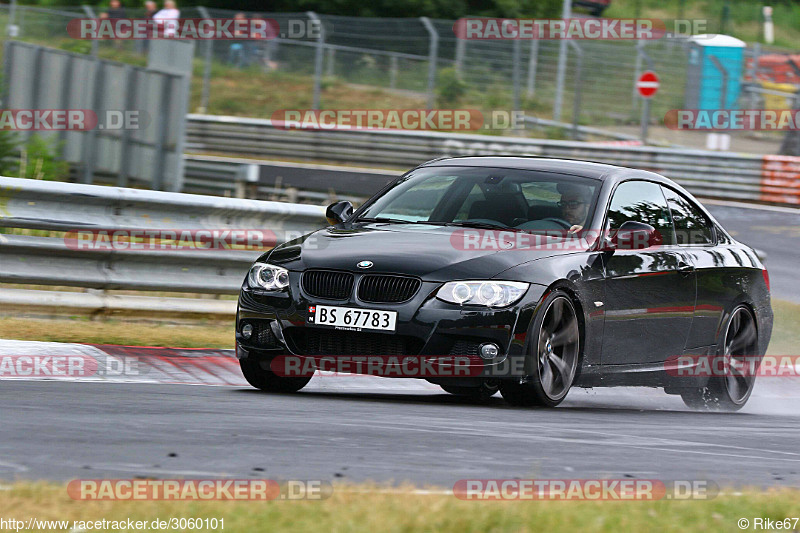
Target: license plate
x=351 y=318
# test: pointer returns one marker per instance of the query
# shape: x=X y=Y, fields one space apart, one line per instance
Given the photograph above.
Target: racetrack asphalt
x=388 y=430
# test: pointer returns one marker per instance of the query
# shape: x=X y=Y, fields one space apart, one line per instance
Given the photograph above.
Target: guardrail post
x=637 y=71
x=125 y=139
x=433 y=52
x=12 y=30
x=90 y=138
x=90 y=13
x=329 y=71
x=66 y=98
x=35 y=86
x=393 y=71
x=533 y=62
x=566 y=12
x=7 y=70
x=247 y=180
x=752 y=73
x=644 y=122
x=208 y=57
x=576 y=104
x=319 y=58
x=461 y=50
x=159 y=166
x=516 y=54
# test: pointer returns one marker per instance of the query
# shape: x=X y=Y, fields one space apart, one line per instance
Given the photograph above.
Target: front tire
x=554 y=352
x=258 y=374
x=731 y=391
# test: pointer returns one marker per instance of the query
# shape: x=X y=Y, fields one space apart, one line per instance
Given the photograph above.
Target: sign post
x=647 y=85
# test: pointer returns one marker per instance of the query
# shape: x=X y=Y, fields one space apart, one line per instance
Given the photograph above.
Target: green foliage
x=9 y=153
x=77 y=46
x=38 y=160
x=450 y=88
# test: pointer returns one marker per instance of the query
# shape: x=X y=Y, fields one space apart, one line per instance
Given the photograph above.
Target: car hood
x=433 y=253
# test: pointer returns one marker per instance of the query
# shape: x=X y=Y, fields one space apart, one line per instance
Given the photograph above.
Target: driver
x=574 y=205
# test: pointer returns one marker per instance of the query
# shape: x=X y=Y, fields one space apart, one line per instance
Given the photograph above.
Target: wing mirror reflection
x=632 y=235
x=338 y=212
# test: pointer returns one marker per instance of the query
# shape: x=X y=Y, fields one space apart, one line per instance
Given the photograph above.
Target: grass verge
x=83 y=330
x=363 y=508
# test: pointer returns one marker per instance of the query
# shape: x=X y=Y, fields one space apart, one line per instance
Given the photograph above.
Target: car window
x=475 y=195
x=641 y=201
x=691 y=225
x=539 y=193
x=514 y=198
x=419 y=199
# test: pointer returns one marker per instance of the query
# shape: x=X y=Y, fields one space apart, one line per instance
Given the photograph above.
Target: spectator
x=239 y=51
x=266 y=50
x=116 y=11
x=150 y=9
x=167 y=19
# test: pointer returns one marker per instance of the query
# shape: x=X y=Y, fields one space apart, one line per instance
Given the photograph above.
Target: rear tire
x=554 y=353
x=258 y=374
x=731 y=391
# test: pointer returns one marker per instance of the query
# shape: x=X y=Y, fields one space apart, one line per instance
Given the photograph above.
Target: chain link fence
x=408 y=59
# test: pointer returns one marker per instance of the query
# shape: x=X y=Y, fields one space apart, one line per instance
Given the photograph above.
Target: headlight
x=268 y=277
x=488 y=293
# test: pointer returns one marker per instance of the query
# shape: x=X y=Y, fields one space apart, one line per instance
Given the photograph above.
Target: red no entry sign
x=647 y=84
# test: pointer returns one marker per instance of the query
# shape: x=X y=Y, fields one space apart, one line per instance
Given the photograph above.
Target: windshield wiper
x=385 y=220
x=480 y=225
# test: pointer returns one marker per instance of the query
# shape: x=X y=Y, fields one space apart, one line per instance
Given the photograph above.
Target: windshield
x=507 y=198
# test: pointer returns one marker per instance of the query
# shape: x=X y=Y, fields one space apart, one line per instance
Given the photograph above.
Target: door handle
x=685 y=268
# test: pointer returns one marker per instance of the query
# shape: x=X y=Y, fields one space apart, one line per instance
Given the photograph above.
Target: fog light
x=489 y=350
x=247 y=331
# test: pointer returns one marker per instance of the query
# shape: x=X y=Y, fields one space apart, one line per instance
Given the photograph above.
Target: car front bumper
x=426 y=327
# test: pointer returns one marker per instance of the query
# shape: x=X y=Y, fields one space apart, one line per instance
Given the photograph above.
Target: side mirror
x=338 y=212
x=635 y=236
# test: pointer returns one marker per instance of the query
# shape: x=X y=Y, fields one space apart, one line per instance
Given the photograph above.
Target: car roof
x=588 y=169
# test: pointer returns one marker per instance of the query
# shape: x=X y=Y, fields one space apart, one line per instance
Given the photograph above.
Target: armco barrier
x=773 y=179
x=64 y=207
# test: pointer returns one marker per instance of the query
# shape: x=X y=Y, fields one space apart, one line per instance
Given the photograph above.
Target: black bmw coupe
x=541 y=274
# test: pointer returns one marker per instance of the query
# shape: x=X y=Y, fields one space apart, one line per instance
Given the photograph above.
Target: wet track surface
x=355 y=429
x=63 y=431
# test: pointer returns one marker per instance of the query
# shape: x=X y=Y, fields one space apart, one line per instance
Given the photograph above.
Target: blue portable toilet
x=704 y=87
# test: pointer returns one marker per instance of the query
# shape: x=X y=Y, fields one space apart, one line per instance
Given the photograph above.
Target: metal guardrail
x=774 y=179
x=292 y=182
x=63 y=208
